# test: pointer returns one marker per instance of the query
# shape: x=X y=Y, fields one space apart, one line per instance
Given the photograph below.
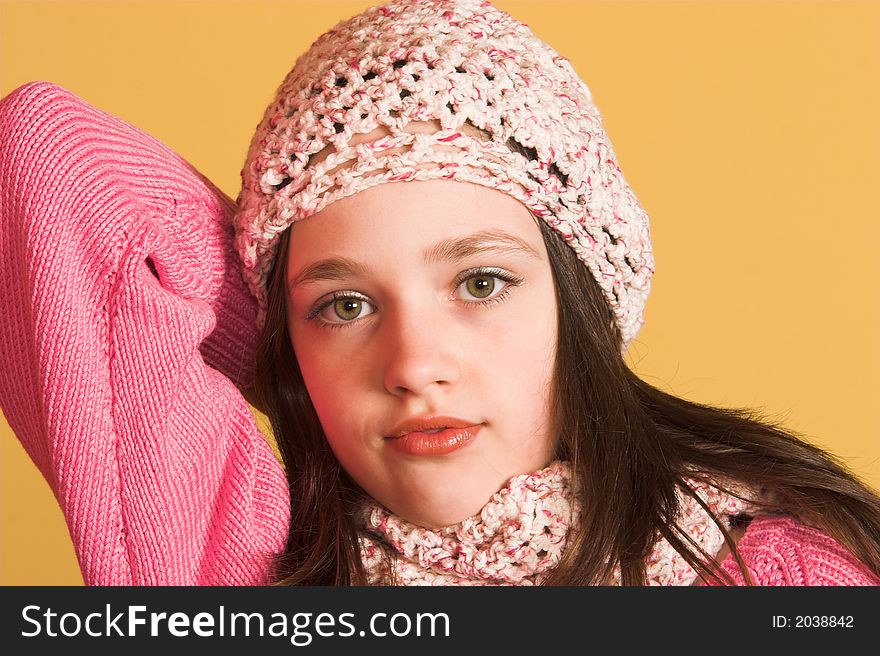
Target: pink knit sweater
x=123 y=384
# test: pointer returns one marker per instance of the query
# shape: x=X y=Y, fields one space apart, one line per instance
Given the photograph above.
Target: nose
x=419 y=350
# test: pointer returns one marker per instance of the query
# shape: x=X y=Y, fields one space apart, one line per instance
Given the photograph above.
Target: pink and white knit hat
x=453 y=90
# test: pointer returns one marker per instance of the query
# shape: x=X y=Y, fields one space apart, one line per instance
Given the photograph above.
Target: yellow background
x=748 y=130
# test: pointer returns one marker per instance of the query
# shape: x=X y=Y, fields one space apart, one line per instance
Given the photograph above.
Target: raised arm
x=125 y=328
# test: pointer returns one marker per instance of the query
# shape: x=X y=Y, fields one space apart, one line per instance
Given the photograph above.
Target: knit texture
x=517 y=537
x=458 y=90
x=783 y=551
x=123 y=385
x=116 y=380
x=520 y=535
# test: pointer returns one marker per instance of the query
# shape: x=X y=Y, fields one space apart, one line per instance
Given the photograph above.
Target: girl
x=446 y=266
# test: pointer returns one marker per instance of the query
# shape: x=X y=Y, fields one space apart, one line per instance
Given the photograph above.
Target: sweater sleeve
x=126 y=334
x=783 y=551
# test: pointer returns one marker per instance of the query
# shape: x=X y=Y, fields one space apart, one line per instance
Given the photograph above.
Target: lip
x=427 y=422
x=419 y=443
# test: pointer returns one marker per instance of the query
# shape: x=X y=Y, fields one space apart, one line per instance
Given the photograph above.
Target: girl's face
x=427 y=298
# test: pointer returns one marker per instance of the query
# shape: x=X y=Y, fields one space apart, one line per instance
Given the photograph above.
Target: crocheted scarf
x=520 y=535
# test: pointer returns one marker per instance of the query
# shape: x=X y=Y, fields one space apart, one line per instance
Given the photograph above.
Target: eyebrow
x=448 y=250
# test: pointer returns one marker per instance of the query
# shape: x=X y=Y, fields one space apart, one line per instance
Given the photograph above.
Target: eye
x=346 y=308
x=341 y=308
x=482 y=284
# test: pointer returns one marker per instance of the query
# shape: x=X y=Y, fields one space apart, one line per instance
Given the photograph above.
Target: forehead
x=394 y=227
x=403 y=216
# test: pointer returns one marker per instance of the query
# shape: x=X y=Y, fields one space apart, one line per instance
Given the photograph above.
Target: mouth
x=428 y=424
x=434 y=441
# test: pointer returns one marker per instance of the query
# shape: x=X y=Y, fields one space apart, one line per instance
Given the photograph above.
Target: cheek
x=327 y=382
x=533 y=333
x=529 y=376
x=337 y=381
x=335 y=401
x=326 y=386
x=524 y=364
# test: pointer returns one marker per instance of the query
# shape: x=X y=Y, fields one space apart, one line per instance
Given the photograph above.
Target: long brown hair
x=630 y=446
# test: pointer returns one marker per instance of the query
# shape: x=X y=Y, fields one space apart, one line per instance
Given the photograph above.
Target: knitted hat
x=458 y=90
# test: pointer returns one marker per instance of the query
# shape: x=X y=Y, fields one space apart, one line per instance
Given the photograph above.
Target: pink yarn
x=118 y=383
x=520 y=535
x=783 y=551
